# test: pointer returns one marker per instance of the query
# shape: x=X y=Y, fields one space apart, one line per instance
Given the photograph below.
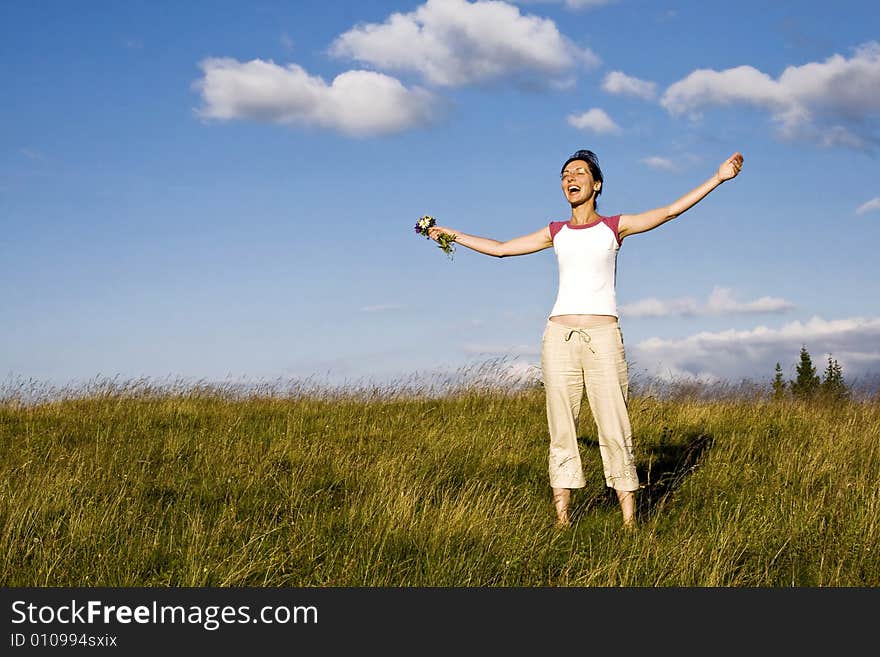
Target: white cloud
x=381 y=307
x=569 y=4
x=662 y=163
x=720 y=302
x=621 y=84
x=31 y=154
x=873 y=204
x=753 y=353
x=356 y=103
x=595 y=120
x=455 y=42
x=833 y=103
x=670 y=373
x=653 y=307
x=586 y=4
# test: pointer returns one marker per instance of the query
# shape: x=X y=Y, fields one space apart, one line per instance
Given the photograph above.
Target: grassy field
x=129 y=485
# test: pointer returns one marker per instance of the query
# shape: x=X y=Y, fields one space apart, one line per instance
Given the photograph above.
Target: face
x=577 y=182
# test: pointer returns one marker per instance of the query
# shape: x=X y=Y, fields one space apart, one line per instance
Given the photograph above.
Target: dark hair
x=592 y=161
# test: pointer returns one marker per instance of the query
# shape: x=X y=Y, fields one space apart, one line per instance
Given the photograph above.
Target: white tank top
x=587 y=256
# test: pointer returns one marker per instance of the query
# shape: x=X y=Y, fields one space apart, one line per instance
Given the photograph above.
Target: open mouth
x=573 y=189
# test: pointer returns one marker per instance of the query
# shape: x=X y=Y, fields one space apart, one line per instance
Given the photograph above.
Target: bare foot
x=561 y=498
x=627 y=501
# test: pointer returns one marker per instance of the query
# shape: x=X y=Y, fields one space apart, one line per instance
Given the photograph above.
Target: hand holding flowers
x=427 y=226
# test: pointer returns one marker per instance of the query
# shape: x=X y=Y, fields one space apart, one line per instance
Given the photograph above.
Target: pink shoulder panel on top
x=613 y=223
x=555 y=227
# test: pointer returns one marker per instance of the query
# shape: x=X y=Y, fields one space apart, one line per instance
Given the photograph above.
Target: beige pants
x=593 y=358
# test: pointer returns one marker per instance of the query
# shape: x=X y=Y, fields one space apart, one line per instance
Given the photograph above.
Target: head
x=582 y=178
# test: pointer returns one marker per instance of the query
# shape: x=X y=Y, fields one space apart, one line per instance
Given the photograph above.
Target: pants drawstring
x=585 y=337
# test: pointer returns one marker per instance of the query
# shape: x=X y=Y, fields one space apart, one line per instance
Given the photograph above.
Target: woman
x=582 y=345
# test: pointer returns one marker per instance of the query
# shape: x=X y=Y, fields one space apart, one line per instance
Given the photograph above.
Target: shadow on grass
x=665 y=466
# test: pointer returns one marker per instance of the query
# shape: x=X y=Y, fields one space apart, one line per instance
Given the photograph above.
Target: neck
x=584 y=214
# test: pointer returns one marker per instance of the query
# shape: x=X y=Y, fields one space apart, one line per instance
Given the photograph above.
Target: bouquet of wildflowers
x=445 y=239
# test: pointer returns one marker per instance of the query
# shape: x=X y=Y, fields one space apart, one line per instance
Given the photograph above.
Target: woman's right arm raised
x=530 y=243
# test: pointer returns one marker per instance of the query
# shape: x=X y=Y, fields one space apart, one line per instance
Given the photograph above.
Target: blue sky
x=226 y=191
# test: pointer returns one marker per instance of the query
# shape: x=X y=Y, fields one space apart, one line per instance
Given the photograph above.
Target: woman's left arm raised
x=630 y=224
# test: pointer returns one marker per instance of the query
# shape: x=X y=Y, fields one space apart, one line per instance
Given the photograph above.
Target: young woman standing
x=582 y=345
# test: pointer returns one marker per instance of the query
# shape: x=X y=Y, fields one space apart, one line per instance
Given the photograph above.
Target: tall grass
x=426 y=484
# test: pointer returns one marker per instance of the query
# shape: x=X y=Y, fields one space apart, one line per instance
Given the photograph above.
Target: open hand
x=730 y=167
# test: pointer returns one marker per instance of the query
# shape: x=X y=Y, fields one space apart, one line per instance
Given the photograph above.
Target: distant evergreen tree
x=806 y=385
x=778 y=384
x=833 y=387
